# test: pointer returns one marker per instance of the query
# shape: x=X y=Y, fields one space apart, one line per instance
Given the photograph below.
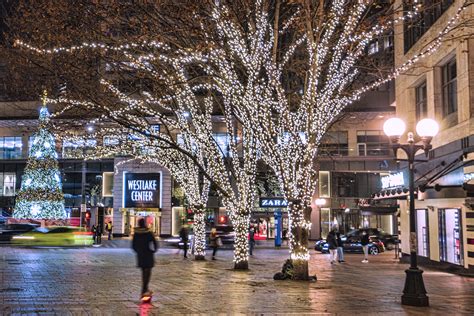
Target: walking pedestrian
x=284 y=236
x=340 y=248
x=332 y=243
x=144 y=244
x=365 y=246
x=251 y=240
x=214 y=242
x=184 y=235
x=94 y=233
x=98 y=234
x=109 y=229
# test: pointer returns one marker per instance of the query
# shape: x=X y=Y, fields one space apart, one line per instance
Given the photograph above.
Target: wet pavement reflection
x=100 y=281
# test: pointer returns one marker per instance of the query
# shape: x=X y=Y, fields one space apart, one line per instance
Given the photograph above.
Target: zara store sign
x=141 y=190
x=273 y=202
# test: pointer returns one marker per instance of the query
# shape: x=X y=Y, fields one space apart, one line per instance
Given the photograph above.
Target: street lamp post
x=414 y=293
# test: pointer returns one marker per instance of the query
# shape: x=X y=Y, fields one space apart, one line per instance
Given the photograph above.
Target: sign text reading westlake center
x=141 y=190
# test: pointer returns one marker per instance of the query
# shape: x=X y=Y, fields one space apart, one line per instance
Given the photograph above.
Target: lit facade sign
x=393 y=180
x=141 y=190
x=273 y=202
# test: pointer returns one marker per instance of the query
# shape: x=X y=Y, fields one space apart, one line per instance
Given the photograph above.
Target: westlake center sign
x=141 y=190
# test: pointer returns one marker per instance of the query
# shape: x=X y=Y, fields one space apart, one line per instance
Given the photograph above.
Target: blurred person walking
x=364 y=241
x=109 y=229
x=214 y=242
x=332 y=243
x=340 y=248
x=184 y=235
x=144 y=244
x=251 y=240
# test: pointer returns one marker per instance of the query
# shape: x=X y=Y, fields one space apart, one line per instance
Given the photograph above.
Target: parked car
x=321 y=245
x=388 y=240
x=9 y=230
x=353 y=244
x=55 y=236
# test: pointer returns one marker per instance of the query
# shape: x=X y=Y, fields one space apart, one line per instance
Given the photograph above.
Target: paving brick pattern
x=105 y=281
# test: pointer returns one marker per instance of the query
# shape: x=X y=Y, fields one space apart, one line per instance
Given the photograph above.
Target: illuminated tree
x=41 y=196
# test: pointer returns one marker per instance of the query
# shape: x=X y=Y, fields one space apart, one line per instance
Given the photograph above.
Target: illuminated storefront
x=141 y=190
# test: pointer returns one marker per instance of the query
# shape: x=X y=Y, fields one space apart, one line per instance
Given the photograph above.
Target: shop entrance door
x=450 y=236
x=152 y=220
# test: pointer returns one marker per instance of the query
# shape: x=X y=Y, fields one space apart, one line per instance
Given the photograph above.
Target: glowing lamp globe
x=394 y=127
x=427 y=128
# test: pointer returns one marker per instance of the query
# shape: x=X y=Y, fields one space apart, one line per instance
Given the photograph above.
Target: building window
x=111 y=141
x=11 y=147
x=8 y=183
x=373 y=48
x=324 y=184
x=421 y=101
x=334 y=144
x=373 y=143
x=449 y=85
x=223 y=141
x=78 y=148
x=415 y=27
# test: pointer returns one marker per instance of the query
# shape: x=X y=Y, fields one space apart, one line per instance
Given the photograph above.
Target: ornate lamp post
x=414 y=293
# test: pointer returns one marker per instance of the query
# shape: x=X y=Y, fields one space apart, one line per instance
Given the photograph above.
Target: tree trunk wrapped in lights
x=199 y=232
x=41 y=196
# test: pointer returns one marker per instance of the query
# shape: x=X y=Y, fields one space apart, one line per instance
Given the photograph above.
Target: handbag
x=219 y=242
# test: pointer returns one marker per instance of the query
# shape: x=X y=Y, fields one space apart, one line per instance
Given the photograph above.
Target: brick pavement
x=104 y=281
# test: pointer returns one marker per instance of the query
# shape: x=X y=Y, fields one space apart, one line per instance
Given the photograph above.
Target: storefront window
x=326 y=222
x=450 y=236
x=11 y=147
x=422 y=233
x=324 y=184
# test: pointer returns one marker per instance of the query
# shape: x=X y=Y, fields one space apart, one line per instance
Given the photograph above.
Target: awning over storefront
x=399 y=194
x=378 y=210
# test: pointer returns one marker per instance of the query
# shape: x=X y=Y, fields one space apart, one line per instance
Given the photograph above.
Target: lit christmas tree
x=41 y=196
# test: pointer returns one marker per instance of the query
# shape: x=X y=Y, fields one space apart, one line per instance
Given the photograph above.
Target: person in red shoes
x=144 y=244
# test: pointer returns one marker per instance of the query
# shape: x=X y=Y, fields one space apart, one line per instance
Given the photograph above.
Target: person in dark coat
x=144 y=244
x=98 y=234
x=184 y=235
x=340 y=248
x=332 y=243
x=94 y=233
x=214 y=242
x=251 y=240
x=365 y=240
